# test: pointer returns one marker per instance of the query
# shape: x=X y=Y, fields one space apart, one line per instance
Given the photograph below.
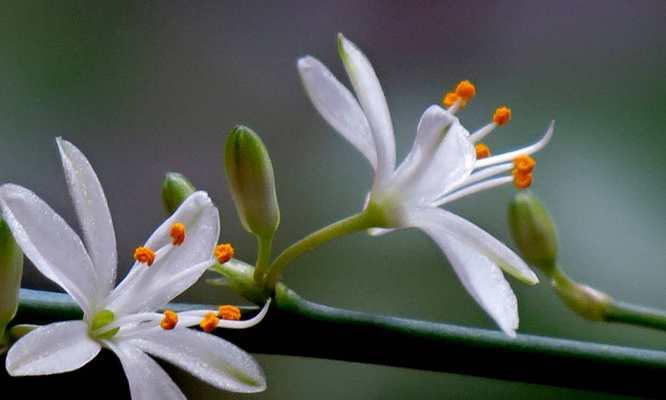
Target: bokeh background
x=149 y=87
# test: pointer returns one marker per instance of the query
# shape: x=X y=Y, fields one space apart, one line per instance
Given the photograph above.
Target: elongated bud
x=175 y=189
x=11 y=269
x=534 y=231
x=250 y=175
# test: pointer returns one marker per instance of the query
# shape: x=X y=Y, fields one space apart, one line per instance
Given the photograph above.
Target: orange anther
x=482 y=151
x=224 y=252
x=524 y=164
x=449 y=99
x=502 y=115
x=466 y=90
x=177 y=233
x=144 y=255
x=230 y=313
x=522 y=180
x=209 y=322
x=169 y=320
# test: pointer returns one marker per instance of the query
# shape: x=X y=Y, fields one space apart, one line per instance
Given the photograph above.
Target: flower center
x=99 y=321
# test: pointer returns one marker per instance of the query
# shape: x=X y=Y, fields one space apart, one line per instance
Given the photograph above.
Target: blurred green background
x=148 y=87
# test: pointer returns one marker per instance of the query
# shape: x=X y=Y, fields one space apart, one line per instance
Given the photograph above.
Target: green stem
x=297 y=327
x=632 y=314
x=264 y=246
x=595 y=305
x=355 y=223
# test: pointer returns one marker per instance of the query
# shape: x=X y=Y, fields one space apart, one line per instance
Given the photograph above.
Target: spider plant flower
x=124 y=319
x=445 y=164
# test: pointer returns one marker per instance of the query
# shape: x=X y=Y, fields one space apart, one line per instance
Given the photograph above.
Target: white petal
x=52 y=246
x=147 y=380
x=52 y=349
x=338 y=106
x=371 y=97
x=482 y=279
x=176 y=268
x=205 y=356
x=474 y=237
x=94 y=215
x=441 y=157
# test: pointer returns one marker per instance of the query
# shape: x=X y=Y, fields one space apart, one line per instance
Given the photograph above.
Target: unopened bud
x=175 y=189
x=534 y=231
x=11 y=269
x=251 y=180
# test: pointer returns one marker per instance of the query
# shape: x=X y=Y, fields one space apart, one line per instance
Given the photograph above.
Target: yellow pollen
x=482 y=151
x=224 y=252
x=524 y=164
x=209 y=322
x=144 y=255
x=466 y=90
x=177 y=233
x=502 y=115
x=230 y=313
x=449 y=99
x=169 y=321
x=522 y=180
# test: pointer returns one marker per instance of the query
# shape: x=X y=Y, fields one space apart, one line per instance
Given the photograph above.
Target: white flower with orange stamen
x=124 y=319
x=443 y=165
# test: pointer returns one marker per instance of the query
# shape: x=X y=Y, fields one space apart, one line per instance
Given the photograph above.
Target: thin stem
x=355 y=223
x=264 y=246
x=297 y=327
x=633 y=314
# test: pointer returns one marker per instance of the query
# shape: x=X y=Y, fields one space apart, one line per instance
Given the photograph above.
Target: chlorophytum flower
x=445 y=164
x=124 y=319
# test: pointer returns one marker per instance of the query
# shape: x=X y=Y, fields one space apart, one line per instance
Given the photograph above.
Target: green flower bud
x=534 y=231
x=175 y=189
x=250 y=175
x=11 y=269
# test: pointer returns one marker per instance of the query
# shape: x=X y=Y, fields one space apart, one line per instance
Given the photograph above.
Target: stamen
x=524 y=164
x=224 y=252
x=449 y=99
x=522 y=180
x=482 y=151
x=209 y=322
x=144 y=255
x=502 y=115
x=466 y=90
x=169 y=321
x=229 y=313
x=466 y=191
x=531 y=149
x=177 y=233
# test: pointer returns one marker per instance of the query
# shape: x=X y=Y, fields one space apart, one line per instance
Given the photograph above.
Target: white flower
x=442 y=166
x=123 y=319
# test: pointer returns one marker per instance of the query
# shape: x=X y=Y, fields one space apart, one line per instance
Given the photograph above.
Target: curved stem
x=297 y=327
x=355 y=223
x=264 y=246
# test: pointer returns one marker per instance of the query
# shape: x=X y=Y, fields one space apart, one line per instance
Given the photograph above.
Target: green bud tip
x=175 y=189
x=11 y=270
x=251 y=180
x=534 y=231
